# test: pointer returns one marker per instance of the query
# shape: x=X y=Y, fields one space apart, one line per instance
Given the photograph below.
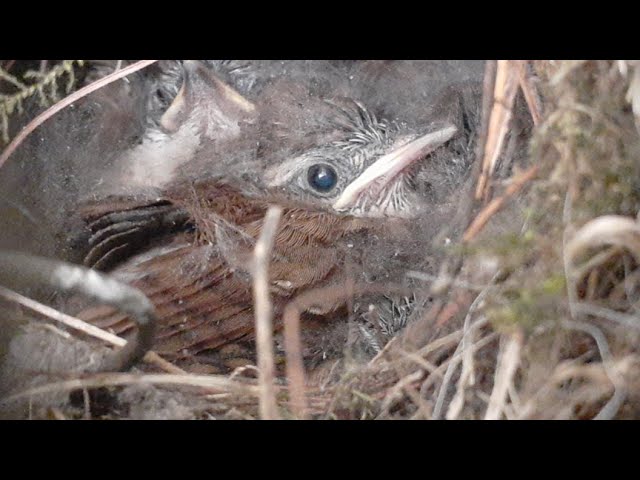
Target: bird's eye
x=322 y=178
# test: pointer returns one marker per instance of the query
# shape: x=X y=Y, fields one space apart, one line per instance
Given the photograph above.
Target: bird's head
x=369 y=170
x=332 y=154
x=205 y=102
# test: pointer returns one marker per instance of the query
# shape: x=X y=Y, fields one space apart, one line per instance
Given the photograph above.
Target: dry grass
x=264 y=313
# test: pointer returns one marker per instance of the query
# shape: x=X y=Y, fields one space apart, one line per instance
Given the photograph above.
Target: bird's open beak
x=386 y=168
x=201 y=86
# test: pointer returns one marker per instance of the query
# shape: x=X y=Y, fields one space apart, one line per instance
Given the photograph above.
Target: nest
x=533 y=312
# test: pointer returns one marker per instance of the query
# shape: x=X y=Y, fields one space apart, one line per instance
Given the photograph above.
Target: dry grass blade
x=65 y=102
x=605 y=230
x=264 y=313
x=210 y=382
x=83 y=327
x=629 y=321
x=295 y=366
x=455 y=360
x=488 y=87
x=496 y=204
x=611 y=408
x=449 y=366
x=467 y=376
x=506 y=87
x=62 y=318
x=508 y=362
x=396 y=393
x=424 y=408
x=421 y=362
x=441 y=342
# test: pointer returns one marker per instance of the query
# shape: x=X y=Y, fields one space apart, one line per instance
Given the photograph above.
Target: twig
x=455 y=359
x=458 y=354
x=213 y=382
x=154 y=359
x=424 y=409
x=530 y=96
x=396 y=392
x=506 y=87
x=416 y=334
x=460 y=302
x=453 y=362
x=264 y=313
x=384 y=351
x=508 y=361
x=441 y=342
x=496 y=204
x=63 y=318
x=421 y=362
x=68 y=100
x=56 y=330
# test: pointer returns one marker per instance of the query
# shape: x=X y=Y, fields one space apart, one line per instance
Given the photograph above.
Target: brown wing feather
x=202 y=299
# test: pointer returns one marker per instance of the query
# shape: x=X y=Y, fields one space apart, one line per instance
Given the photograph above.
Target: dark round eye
x=322 y=177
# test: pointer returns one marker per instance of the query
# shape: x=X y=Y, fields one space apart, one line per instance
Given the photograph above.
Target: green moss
x=44 y=86
x=528 y=307
x=513 y=248
x=554 y=285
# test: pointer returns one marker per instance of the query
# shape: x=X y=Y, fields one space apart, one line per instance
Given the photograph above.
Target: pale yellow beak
x=387 y=167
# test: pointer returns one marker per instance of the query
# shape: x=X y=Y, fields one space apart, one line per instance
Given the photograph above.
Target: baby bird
x=354 y=188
